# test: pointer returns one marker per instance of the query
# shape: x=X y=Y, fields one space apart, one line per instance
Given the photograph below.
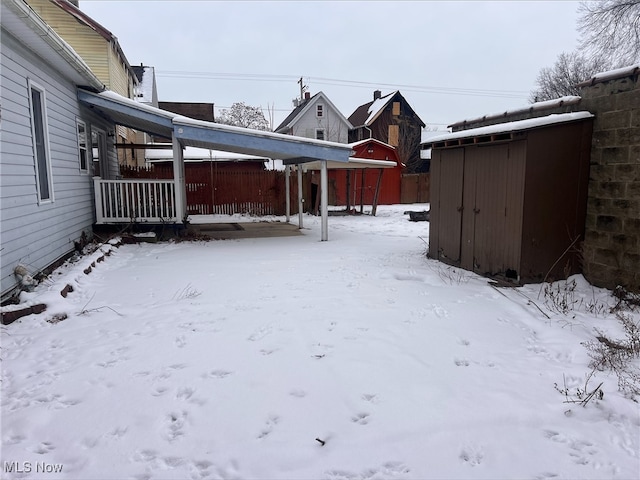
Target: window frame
x=99 y=167
x=81 y=148
x=320 y=110
x=42 y=166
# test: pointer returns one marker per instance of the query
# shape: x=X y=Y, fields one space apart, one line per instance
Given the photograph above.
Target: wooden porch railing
x=135 y=200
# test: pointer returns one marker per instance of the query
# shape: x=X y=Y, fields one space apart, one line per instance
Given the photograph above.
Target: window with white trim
x=82 y=146
x=319 y=110
x=38 y=110
x=319 y=133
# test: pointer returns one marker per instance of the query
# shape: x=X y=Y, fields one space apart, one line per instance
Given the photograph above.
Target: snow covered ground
x=291 y=358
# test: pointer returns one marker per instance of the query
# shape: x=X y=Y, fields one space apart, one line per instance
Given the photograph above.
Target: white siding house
x=318 y=118
x=50 y=146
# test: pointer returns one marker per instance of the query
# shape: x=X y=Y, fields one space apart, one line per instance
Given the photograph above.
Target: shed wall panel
x=434 y=219
x=555 y=200
x=450 y=179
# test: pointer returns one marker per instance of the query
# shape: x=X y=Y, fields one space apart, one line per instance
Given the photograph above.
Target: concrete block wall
x=612 y=232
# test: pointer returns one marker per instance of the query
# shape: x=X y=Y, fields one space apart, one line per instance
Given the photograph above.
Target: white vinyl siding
x=35 y=233
x=331 y=122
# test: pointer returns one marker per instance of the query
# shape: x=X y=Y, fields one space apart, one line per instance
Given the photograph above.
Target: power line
x=255 y=77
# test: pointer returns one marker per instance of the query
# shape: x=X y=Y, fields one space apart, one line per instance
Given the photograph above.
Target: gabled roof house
x=101 y=51
x=391 y=120
x=316 y=117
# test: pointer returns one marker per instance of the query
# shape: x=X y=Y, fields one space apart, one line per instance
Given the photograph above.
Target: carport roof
x=196 y=133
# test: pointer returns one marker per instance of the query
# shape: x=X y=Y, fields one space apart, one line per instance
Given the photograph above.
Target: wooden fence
x=415 y=188
x=212 y=190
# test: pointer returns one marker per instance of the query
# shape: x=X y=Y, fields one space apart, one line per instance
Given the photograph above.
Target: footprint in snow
x=272 y=421
x=360 y=418
x=472 y=455
x=42 y=448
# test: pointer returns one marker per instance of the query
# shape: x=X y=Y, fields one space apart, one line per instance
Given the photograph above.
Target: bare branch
x=567 y=72
x=611 y=28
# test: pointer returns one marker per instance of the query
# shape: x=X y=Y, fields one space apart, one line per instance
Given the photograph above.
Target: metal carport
x=185 y=131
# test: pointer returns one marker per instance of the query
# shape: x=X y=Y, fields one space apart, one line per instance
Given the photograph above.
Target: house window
x=394 y=135
x=319 y=110
x=40 y=142
x=395 y=109
x=98 y=152
x=82 y=145
x=319 y=133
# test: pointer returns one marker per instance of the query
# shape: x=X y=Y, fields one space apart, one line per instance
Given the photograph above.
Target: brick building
x=612 y=231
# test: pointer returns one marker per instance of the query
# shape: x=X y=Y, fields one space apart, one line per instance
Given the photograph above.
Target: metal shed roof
x=497 y=131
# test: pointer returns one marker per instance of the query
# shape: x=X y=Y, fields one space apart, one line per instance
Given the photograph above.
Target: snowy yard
x=291 y=358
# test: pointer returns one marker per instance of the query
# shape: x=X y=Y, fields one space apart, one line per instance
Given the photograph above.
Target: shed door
x=492 y=209
x=450 y=208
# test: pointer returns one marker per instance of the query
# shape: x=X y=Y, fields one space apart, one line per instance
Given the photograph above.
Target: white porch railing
x=134 y=200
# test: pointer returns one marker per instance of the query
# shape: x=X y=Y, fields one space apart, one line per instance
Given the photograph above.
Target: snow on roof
x=196 y=153
x=377 y=105
x=612 y=75
x=429 y=134
x=547 y=104
x=367 y=140
x=353 y=163
x=179 y=119
x=513 y=126
x=138 y=105
x=144 y=90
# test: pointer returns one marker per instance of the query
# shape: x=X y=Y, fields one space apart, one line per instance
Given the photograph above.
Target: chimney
x=307 y=95
x=377 y=94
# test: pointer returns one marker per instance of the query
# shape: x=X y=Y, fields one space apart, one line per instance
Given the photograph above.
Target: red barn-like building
x=361 y=183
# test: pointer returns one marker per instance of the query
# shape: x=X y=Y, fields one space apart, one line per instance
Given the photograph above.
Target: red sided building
x=362 y=182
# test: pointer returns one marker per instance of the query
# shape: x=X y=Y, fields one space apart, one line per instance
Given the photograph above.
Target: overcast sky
x=451 y=60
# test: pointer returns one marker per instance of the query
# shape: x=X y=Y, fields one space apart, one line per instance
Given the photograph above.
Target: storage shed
x=509 y=200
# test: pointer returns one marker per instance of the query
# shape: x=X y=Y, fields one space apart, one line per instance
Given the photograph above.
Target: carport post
x=287 y=189
x=179 y=181
x=300 y=199
x=324 y=200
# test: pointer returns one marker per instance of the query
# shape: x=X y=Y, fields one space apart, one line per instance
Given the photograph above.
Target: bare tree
x=611 y=29
x=242 y=115
x=408 y=144
x=568 y=70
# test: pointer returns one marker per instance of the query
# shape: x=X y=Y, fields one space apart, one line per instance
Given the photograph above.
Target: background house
x=391 y=120
x=316 y=117
x=51 y=146
x=100 y=50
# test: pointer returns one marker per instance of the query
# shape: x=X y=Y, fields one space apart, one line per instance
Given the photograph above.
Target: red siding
x=366 y=187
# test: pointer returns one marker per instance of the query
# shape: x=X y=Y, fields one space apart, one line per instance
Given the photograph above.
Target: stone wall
x=612 y=237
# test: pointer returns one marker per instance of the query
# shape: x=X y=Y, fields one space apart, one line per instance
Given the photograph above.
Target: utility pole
x=302 y=89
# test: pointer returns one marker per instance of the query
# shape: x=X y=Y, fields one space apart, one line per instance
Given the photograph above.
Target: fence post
x=98 y=199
